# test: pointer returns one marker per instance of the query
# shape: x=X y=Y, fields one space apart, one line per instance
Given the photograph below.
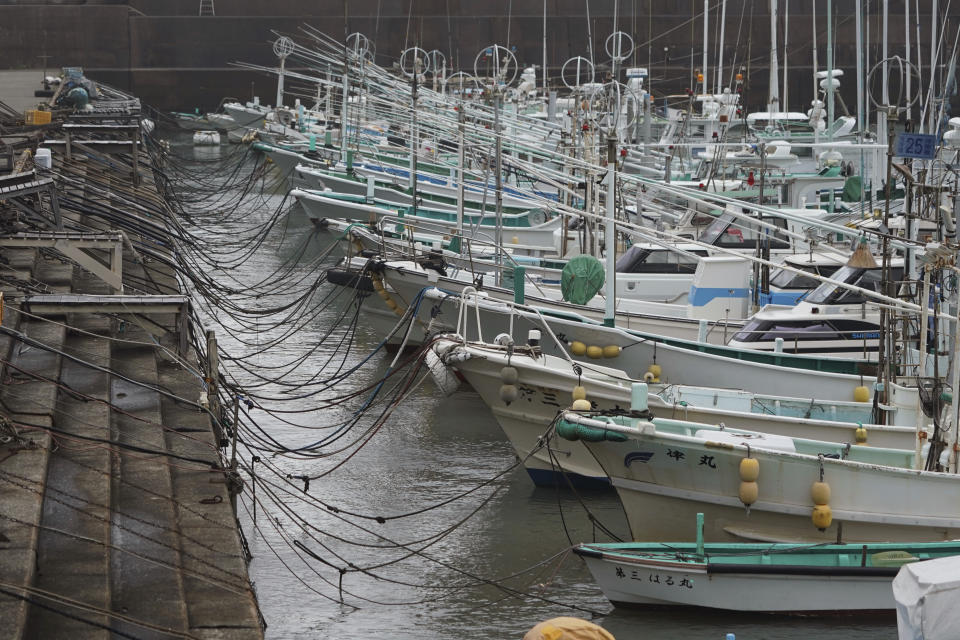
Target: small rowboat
x=784 y=578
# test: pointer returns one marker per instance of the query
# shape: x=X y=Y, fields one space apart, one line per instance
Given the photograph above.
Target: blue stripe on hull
x=548 y=478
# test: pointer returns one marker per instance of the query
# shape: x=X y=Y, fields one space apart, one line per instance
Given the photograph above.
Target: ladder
x=206 y=8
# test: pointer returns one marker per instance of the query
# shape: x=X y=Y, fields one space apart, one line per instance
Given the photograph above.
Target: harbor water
x=467 y=546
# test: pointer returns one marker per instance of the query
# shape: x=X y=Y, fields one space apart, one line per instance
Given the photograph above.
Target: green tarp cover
x=581 y=279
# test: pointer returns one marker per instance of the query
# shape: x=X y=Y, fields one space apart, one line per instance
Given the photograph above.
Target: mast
x=545 y=94
x=774 y=72
x=609 y=230
x=816 y=69
x=706 y=20
x=718 y=86
x=786 y=37
x=885 y=93
x=589 y=32
x=934 y=5
x=830 y=70
x=906 y=40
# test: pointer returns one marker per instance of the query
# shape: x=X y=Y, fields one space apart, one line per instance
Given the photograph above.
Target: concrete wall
x=172 y=58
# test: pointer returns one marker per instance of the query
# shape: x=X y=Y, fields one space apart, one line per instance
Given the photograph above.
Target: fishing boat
x=760 y=487
x=782 y=578
x=545 y=384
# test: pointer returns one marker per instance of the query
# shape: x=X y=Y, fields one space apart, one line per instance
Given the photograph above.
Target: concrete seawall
x=117 y=518
x=175 y=59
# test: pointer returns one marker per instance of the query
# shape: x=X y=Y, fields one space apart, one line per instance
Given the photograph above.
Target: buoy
x=509 y=375
x=860 y=434
x=611 y=351
x=749 y=491
x=578 y=348
x=654 y=371
x=648 y=377
x=749 y=470
x=820 y=492
x=508 y=393
x=579 y=393
x=582 y=405
x=861 y=394
x=822 y=516
x=515 y=240
x=594 y=352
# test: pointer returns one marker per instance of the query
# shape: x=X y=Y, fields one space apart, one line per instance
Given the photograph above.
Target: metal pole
x=460 y=171
x=499 y=182
x=718 y=86
x=414 y=142
x=545 y=48
x=829 y=70
x=774 y=73
x=706 y=20
x=609 y=234
x=283 y=66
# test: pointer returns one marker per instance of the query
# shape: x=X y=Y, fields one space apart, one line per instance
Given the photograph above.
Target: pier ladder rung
x=206 y=8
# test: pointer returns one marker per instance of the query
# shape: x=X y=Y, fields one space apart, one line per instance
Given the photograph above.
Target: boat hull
x=628 y=584
x=545 y=390
x=664 y=481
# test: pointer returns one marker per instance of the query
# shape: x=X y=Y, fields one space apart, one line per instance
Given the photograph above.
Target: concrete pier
x=115 y=504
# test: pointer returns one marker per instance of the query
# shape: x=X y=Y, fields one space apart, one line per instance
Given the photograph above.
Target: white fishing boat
x=772 y=578
x=765 y=488
x=545 y=384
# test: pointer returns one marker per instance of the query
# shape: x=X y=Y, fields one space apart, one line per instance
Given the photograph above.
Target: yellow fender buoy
x=820 y=492
x=860 y=434
x=578 y=348
x=582 y=405
x=655 y=372
x=579 y=393
x=861 y=394
x=611 y=351
x=509 y=375
x=749 y=492
x=749 y=470
x=749 y=473
x=822 y=515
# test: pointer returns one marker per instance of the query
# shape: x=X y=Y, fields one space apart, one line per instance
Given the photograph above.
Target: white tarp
x=928 y=599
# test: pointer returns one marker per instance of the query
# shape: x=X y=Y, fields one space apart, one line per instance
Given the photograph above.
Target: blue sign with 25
x=916 y=145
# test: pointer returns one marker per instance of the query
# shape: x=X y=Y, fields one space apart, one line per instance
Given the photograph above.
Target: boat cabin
x=830 y=321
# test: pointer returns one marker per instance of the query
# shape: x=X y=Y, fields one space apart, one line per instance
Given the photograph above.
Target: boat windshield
x=869 y=279
x=783 y=279
x=716 y=228
x=740 y=234
x=639 y=259
x=789 y=330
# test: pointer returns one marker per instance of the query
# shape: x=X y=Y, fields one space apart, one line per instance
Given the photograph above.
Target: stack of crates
x=35 y=116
